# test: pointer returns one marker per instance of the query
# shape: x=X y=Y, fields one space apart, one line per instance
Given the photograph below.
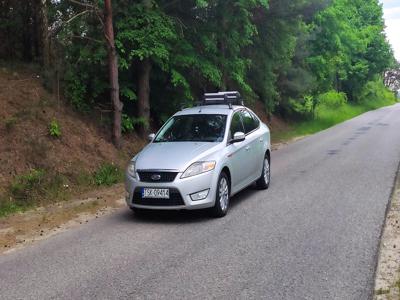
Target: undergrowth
x=40 y=186
x=326 y=117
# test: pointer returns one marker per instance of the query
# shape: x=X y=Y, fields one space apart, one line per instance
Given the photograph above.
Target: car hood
x=173 y=155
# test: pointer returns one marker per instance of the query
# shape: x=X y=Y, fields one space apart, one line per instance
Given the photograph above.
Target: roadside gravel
x=387 y=281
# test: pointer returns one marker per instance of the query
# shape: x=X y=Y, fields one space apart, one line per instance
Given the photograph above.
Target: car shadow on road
x=184 y=216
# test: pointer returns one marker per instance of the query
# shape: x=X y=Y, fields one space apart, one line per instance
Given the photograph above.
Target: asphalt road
x=313 y=235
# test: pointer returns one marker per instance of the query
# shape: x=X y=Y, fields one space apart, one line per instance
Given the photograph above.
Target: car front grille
x=154 y=176
x=175 y=199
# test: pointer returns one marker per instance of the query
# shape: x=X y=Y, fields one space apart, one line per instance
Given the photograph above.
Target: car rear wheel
x=264 y=180
x=222 y=196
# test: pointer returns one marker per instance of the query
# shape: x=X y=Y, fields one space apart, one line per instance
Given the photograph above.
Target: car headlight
x=199 y=168
x=131 y=169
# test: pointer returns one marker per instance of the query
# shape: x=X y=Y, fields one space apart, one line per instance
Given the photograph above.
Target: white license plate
x=155 y=193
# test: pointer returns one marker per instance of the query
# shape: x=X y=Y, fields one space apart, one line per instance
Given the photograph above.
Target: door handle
x=247 y=148
x=261 y=140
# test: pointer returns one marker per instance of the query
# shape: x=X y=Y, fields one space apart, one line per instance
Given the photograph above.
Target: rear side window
x=250 y=122
x=236 y=125
x=256 y=120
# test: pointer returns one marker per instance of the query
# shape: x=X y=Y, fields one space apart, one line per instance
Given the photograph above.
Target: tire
x=265 y=178
x=222 y=196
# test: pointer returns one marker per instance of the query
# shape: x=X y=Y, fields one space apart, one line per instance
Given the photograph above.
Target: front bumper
x=180 y=191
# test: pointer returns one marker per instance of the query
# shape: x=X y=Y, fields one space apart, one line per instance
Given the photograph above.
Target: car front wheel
x=222 y=196
x=263 y=181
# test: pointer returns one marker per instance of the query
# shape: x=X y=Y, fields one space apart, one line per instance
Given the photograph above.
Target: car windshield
x=193 y=128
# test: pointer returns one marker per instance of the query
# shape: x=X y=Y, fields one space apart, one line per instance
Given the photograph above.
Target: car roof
x=210 y=109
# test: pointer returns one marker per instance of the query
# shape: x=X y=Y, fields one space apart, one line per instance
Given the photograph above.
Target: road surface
x=313 y=235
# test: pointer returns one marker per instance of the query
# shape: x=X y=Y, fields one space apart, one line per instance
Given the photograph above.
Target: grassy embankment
x=39 y=186
x=326 y=117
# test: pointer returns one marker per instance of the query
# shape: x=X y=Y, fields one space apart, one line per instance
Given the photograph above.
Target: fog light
x=199 y=195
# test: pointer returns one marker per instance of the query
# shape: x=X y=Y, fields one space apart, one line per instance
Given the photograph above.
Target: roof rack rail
x=230 y=98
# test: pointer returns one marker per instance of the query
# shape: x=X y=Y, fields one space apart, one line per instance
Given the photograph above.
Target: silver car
x=200 y=158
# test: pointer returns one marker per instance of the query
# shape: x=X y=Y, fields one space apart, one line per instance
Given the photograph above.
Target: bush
x=128 y=123
x=375 y=93
x=108 y=174
x=55 y=129
x=332 y=99
x=303 y=107
x=76 y=90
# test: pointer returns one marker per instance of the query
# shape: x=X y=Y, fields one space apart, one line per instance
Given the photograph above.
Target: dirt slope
x=26 y=111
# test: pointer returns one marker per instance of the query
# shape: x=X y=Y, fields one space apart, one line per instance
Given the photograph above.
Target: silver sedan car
x=200 y=158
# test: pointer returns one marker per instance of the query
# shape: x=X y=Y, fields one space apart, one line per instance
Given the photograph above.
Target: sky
x=391 y=10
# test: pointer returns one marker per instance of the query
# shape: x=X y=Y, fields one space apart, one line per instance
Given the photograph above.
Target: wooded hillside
x=144 y=59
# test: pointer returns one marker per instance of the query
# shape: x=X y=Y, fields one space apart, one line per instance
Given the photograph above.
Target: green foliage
x=290 y=54
x=350 y=46
x=144 y=31
x=326 y=117
x=108 y=174
x=375 y=92
x=304 y=108
x=54 y=129
x=332 y=99
x=129 y=123
x=75 y=91
x=9 y=207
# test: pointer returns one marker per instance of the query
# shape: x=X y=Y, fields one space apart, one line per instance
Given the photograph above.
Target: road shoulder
x=25 y=228
x=387 y=278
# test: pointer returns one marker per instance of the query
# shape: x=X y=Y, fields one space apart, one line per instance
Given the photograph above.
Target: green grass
x=325 y=118
x=38 y=187
x=108 y=174
x=7 y=208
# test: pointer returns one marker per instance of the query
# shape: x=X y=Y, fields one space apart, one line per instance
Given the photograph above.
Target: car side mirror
x=238 y=137
x=151 y=137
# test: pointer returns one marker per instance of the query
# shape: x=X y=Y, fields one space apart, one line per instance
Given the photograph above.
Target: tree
x=350 y=47
x=105 y=19
x=113 y=72
x=144 y=39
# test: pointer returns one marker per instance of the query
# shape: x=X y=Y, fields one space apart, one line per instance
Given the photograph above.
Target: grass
x=382 y=292
x=325 y=118
x=40 y=186
x=8 y=208
x=108 y=174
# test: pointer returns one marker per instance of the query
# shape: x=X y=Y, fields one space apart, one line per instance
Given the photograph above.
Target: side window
x=256 y=120
x=248 y=121
x=236 y=125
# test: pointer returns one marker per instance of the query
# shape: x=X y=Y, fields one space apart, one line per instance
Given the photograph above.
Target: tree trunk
x=44 y=34
x=113 y=72
x=144 y=95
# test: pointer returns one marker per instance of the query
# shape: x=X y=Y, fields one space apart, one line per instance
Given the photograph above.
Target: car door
x=259 y=150
x=253 y=145
x=238 y=156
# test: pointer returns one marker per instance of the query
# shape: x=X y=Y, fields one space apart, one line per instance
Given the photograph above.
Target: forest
x=143 y=60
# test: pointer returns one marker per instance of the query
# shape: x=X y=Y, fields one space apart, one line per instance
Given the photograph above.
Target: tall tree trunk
x=113 y=73
x=144 y=94
x=44 y=34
